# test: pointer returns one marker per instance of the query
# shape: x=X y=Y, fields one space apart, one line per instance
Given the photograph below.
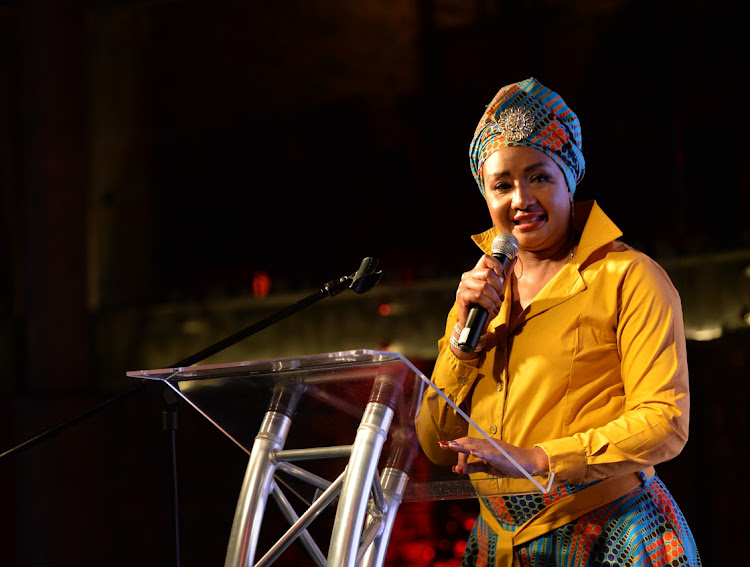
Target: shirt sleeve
x=653 y=426
x=437 y=420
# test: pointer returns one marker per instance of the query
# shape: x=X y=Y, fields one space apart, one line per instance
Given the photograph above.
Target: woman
x=581 y=372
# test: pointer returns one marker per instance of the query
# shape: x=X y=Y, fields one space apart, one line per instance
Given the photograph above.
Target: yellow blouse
x=593 y=371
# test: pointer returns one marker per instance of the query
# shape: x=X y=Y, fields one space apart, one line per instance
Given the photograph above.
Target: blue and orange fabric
x=529 y=114
x=644 y=528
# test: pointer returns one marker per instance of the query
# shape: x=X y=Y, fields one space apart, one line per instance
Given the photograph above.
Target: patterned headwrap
x=529 y=114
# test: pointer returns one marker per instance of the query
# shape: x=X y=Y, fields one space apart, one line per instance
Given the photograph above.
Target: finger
x=466 y=441
x=488 y=261
x=500 y=276
x=495 y=288
x=476 y=280
x=489 y=458
x=456 y=447
x=493 y=284
x=461 y=464
x=474 y=467
x=447 y=445
x=496 y=266
x=479 y=288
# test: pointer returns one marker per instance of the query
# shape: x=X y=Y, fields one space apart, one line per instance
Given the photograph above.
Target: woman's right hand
x=483 y=285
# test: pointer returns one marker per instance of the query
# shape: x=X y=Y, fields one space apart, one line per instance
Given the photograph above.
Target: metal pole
x=394 y=484
x=347 y=527
x=256 y=486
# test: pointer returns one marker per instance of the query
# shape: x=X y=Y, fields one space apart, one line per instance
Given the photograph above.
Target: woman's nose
x=522 y=196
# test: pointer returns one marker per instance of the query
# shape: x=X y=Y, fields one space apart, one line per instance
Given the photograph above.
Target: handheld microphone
x=504 y=248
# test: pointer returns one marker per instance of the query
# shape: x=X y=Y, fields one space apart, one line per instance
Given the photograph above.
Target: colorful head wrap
x=529 y=114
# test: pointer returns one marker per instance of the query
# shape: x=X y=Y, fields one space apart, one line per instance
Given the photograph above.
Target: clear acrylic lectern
x=349 y=417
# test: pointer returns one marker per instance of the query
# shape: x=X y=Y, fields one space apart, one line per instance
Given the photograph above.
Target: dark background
x=168 y=150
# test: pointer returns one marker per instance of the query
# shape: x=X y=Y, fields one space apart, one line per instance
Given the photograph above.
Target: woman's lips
x=529 y=222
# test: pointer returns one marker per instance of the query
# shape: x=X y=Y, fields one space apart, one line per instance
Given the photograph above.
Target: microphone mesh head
x=506 y=244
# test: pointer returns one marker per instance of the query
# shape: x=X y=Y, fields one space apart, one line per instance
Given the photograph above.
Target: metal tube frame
x=366 y=510
x=350 y=515
x=394 y=483
x=292 y=518
x=305 y=520
x=256 y=486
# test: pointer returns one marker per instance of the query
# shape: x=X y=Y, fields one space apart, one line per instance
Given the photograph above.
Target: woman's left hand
x=488 y=459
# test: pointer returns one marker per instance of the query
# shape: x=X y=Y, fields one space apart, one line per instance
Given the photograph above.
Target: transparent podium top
x=331 y=392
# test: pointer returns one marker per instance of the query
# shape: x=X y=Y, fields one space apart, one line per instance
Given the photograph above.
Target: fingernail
x=443 y=443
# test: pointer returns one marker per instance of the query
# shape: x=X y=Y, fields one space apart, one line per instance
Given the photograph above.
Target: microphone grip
x=477 y=318
x=470 y=334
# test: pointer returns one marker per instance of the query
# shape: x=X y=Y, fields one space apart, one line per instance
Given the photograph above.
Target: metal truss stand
x=367 y=501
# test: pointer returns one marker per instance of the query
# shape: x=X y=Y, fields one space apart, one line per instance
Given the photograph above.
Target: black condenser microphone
x=504 y=248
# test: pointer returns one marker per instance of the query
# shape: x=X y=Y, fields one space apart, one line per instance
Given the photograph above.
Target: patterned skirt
x=644 y=528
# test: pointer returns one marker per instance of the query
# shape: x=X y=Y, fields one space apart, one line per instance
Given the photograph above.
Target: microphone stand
x=361 y=281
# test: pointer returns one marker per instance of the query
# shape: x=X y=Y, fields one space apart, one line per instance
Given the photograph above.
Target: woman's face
x=527 y=196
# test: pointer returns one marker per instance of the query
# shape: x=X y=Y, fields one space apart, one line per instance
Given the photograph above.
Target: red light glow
x=261 y=284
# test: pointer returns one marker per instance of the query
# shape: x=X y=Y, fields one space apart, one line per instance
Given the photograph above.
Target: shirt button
x=463 y=380
x=493 y=429
x=499 y=386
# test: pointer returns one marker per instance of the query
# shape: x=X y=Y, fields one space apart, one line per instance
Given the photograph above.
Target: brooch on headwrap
x=514 y=123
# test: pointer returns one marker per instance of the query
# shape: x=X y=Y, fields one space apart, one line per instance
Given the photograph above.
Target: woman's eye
x=541 y=178
x=503 y=186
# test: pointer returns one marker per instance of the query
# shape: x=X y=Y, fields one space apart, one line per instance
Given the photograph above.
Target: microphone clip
x=361 y=281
